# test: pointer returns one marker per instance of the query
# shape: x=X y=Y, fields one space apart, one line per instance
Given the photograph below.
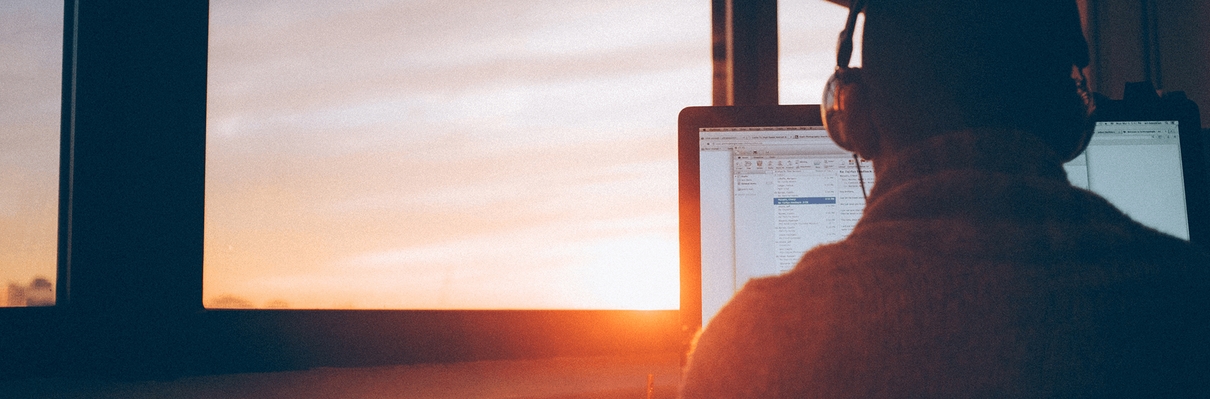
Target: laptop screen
x=1136 y=165
x=768 y=194
x=762 y=185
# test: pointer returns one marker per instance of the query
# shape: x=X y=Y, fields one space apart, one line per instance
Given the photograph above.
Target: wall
x=1159 y=40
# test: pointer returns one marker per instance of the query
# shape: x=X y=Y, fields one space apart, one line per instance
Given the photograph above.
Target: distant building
x=40 y=293
x=16 y=295
x=229 y=302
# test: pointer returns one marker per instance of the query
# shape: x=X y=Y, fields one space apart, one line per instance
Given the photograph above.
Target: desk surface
x=562 y=378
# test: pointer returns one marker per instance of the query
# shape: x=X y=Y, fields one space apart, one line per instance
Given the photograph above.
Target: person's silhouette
x=976 y=270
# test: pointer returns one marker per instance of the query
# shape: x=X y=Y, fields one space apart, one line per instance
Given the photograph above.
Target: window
x=133 y=252
x=438 y=155
x=30 y=72
x=447 y=155
x=807 y=33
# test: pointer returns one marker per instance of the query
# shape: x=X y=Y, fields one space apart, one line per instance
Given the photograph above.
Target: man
x=976 y=270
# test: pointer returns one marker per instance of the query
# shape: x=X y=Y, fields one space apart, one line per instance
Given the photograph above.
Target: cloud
x=450 y=153
x=413 y=47
x=447 y=153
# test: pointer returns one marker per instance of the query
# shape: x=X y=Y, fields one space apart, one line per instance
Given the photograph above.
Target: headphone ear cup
x=845 y=113
x=1083 y=114
x=1089 y=111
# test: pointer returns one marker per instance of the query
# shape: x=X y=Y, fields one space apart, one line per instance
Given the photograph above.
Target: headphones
x=845 y=107
x=841 y=93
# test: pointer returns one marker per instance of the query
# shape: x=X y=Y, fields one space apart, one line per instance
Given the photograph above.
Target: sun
x=634 y=273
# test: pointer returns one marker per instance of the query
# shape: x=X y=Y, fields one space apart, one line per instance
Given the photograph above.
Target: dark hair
x=942 y=65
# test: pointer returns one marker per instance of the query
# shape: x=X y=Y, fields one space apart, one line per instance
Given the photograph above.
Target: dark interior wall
x=1185 y=49
x=1157 y=40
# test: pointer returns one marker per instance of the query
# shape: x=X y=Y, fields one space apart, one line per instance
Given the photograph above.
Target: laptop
x=760 y=185
x=1137 y=166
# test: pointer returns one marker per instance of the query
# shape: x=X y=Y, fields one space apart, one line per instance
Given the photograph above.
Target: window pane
x=31 y=51
x=807 y=33
x=448 y=154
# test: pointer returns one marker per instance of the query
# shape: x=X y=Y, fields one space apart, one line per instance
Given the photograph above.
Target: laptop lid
x=759 y=186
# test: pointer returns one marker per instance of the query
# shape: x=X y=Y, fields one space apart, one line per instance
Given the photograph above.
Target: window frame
x=132 y=188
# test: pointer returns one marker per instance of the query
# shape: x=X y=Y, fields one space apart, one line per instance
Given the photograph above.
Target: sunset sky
x=421 y=154
x=31 y=43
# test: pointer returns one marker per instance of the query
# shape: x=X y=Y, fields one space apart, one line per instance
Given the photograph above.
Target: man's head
x=933 y=66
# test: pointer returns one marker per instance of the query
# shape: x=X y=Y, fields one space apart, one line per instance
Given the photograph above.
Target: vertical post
x=744 y=49
x=1150 y=41
x=133 y=170
x=1089 y=22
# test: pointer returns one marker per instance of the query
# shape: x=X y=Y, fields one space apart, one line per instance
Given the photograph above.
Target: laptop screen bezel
x=690 y=122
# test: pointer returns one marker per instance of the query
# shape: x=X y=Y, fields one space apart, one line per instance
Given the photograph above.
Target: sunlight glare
x=636 y=273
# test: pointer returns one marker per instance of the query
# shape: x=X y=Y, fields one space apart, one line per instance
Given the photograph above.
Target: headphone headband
x=845 y=106
x=845 y=46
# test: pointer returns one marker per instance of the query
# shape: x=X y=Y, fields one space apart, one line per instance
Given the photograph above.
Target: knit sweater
x=976 y=270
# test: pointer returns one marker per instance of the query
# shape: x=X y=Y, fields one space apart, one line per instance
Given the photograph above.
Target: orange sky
x=31 y=35
x=439 y=154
